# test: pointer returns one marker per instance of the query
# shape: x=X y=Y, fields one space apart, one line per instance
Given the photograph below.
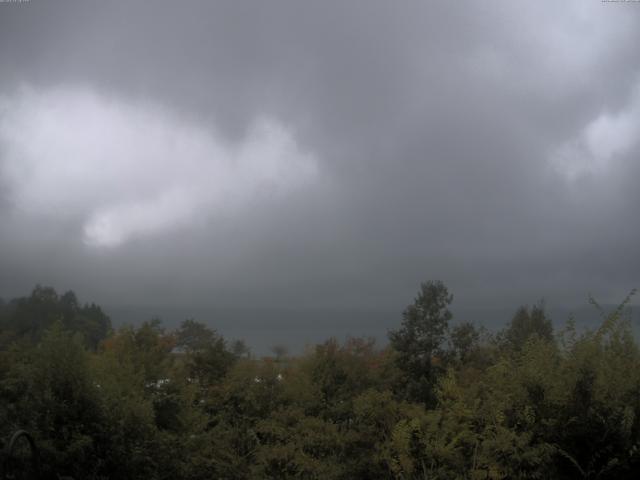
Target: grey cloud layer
x=130 y=170
x=491 y=145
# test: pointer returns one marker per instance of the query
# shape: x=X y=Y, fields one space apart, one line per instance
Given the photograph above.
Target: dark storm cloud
x=491 y=145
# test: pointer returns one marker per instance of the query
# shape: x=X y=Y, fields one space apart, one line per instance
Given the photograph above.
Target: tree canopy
x=442 y=400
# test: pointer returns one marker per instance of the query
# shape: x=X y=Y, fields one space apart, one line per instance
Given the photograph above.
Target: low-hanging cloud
x=601 y=142
x=128 y=170
x=320 y=155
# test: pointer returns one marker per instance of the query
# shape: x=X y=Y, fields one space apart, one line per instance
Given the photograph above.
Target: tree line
x=442 y=400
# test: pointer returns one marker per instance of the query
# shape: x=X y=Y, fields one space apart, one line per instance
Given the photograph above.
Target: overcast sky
x=320 y=154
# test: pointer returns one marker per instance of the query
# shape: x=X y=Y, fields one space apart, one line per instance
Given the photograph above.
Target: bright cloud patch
x=600 y=142
x=130 y=170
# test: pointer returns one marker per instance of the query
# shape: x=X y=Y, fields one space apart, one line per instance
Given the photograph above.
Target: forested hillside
x=443 y=400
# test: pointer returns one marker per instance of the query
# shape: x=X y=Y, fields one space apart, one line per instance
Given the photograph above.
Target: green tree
x=194 y=336
x=463 y=340
x=27 y=318
x=526 y=323
x=418 y=343
x=206 y=356
x=61 y=404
